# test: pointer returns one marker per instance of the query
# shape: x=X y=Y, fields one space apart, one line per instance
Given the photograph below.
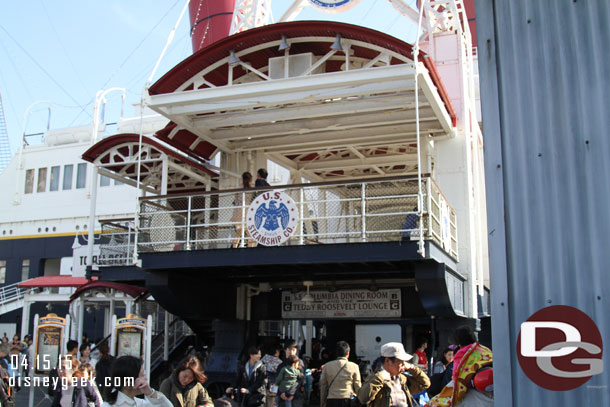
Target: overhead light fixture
x=337 y=44
x=284 y=44
x=233 y=58
x=307 y=298
x=373 y=287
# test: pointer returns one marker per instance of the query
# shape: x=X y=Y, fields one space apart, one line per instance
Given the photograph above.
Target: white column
x=81 y=319
x=25 y=318
x=164 y=172
x=309 y=337
x=128 y=307
x=73 y=326
x=91 y=225
x=110 y=314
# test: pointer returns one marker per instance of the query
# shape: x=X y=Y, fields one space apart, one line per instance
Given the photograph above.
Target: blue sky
x=64 y=51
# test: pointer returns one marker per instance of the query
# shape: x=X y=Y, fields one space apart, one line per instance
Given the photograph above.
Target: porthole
x=77 y=227
x=46 y=229
x=39 y=230
x=54 y=229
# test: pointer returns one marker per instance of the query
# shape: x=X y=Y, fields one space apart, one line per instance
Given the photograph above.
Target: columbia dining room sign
x=342 y=304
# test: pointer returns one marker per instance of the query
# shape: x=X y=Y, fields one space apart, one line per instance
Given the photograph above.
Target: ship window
x=81 y=175
x=29 y=181
x=25 y=269
x=68 y=170
x=54 y=178
x=2 y=271
x=104 y=181
x=42 y=180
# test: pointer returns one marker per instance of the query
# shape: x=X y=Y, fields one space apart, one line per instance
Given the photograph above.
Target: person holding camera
x=340 y=379
x=388 y=387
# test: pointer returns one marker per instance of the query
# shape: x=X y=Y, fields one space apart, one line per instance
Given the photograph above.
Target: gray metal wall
x=545 y=98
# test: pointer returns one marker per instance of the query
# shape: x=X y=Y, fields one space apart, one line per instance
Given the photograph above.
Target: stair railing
x=177 y=332
x=11 y=292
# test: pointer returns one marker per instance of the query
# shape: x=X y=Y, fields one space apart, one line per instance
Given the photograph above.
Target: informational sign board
x=130 y=336
x=49 y=340
x=343 y=304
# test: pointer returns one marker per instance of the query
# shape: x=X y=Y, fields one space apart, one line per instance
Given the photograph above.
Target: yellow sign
x=130 y=336
x=49 y=337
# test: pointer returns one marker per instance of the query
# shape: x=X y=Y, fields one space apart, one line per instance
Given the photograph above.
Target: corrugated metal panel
x=545 y=100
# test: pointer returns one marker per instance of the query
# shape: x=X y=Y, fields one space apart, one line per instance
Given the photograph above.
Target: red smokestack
x=210 y=21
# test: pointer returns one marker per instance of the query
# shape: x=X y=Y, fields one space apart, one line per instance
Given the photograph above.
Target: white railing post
x=242 y=232
x=363 y=205
x=128 y=241
x=301 y=214
x=188 y=224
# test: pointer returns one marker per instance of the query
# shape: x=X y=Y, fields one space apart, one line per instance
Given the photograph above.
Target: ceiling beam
x=307 y=125
x=401 y=100
x=337 y=138
x=382 y=160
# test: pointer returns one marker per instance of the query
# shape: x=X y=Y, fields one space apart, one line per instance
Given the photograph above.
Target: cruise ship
x=381 y=146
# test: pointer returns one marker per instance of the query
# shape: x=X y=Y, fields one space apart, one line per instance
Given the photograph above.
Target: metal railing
x=11 y=292
x=345 y=212
x=118 y=237
x=178 y=331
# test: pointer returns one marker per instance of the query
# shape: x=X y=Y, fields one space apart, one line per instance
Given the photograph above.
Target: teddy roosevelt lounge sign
x=342 y=304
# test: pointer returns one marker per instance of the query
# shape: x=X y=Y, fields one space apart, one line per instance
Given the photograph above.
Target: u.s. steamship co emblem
x=271 y=218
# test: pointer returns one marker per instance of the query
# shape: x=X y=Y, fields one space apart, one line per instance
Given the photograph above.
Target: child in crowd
x=287 y=381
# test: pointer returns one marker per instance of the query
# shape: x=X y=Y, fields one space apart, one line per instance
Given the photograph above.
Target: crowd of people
x=398 y=380
x=275 y=380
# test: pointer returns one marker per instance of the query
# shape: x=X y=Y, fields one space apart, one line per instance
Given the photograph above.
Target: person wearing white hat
x=389 y=388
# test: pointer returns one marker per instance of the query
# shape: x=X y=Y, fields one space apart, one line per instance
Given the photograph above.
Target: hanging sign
x=271 y=218
x=343 y=304
x=49 y=339
x=130 y=336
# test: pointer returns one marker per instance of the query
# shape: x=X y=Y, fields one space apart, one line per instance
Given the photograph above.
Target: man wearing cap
x=388 y=383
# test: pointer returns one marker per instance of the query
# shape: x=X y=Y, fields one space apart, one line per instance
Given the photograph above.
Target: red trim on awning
x=54 y=281
x=184 y=71
x=102 y=146
x=131 y=290
x=183 y=139
x=431 y=66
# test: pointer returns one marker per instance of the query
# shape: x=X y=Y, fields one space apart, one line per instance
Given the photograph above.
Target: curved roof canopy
x=131 y=290
x=325 y=98
x=117 y=157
